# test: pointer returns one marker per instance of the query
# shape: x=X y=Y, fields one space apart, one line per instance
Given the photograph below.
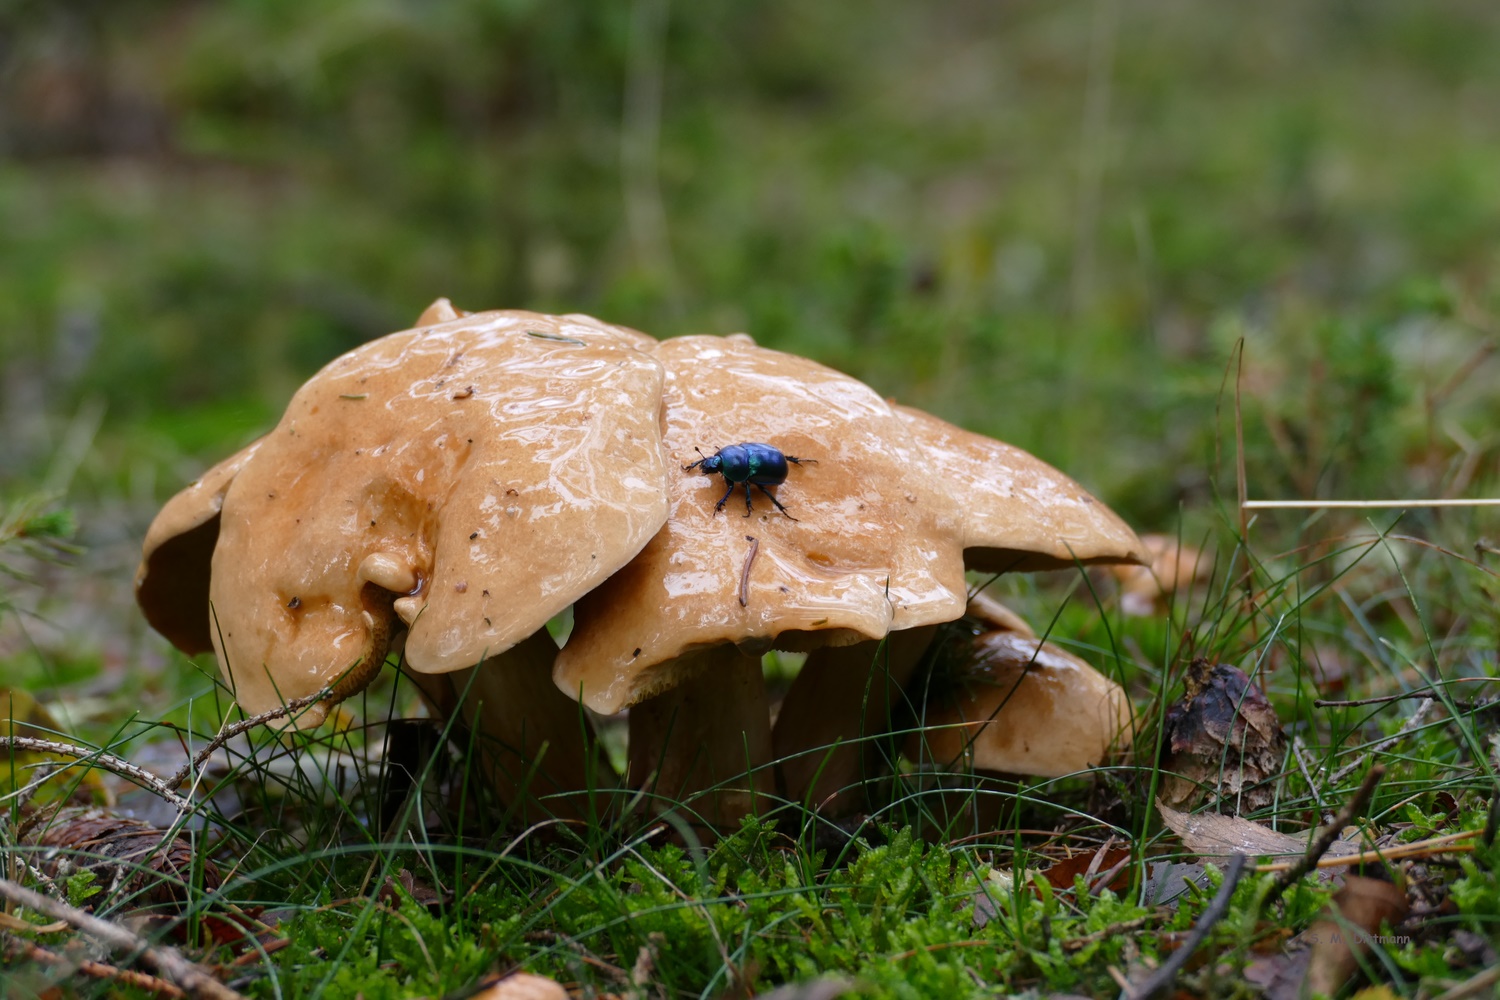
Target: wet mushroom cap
x=1023 y=706
x=171 y=584
x=874 y=547
x=472 y=477
x=1020 y=514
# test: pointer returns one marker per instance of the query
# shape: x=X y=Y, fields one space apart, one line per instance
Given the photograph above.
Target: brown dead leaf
x=1323 y=958
x=1210 y=835
x=1346 y=932
x=1224 y=736
x=420 y=891
x=1093 y=865
x=124 y=855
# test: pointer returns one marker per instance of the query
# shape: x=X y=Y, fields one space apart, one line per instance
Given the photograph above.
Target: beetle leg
x=769 y=494
x=800 y=461
x=748 y=510
x=725 y=498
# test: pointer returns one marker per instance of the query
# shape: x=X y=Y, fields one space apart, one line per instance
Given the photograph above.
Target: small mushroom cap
x=874 y=546
x=994 y=615
x=1021 y=514
x=1023 y=706
x=1170 y=567
x=484 y=472
x=171 y=584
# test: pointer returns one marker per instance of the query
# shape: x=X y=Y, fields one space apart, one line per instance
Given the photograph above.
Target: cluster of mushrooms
x=446 y=491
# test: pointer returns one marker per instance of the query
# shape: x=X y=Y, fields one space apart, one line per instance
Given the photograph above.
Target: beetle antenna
x=701 y=459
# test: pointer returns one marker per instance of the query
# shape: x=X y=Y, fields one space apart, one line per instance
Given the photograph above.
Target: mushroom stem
x=536 y=744
x=696 y=743
x=843 y=695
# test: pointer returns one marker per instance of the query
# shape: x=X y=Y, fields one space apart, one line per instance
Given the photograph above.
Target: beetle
x=750 y=463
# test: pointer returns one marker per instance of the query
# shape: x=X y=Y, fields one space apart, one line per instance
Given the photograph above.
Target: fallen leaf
x=1323 y=958
x=1223 y=736
x=1169 y=880
x=1210 y=835
x=987 y=898
x=1092 y=865
x=1340 y=937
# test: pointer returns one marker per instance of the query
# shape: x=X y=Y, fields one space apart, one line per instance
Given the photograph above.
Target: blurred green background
x=1050 y=222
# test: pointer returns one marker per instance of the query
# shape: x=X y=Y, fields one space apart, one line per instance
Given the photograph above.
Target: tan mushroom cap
x=994 y=615
x=171 y=584
x=875 y=546
x=490 y=468
x=1020 y=514
x=1023 y=706
x=1171 y=567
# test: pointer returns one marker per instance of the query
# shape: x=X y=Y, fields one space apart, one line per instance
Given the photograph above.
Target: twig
x=29 y=951
x=1403 y=696
x=1325 y=838
x=98 y=757
x=1445 y=844
x=1479 y=984
x=196 y=980
x=578 y=949
x=1123 y=927
x=745 y=574
x=1158 y=982
x=244 y=725
x=1298 y=752
x=1363 y=504
x=1417 y=718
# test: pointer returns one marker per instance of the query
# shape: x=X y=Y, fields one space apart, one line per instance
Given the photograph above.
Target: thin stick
x=27 y=951
x=1159 y=981
x=1123 y=927
x=98 y=757
x=1325 y=838
x=228 y=733
x=1363 y=504
x=1405 y=695
x=1298 y=752
x=196 y=980
x=1417 y=718
x=1446 y=844
x=745 y=573
x=1473 y=987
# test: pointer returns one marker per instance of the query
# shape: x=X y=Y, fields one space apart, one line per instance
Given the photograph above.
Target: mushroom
x=466 y=480
x=171 y=585
x=1017 y=513
x=1020 y=705
x=873 y=549
x=1170 y=567
x=1020 y=514
x=1017 y=705
x=997 y=617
